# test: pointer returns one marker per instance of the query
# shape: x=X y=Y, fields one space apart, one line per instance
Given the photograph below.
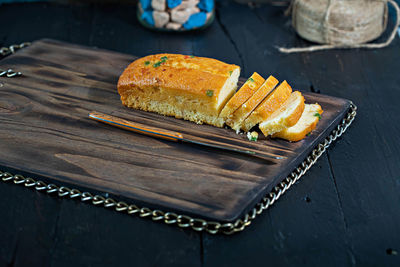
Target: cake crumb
x=252 y=136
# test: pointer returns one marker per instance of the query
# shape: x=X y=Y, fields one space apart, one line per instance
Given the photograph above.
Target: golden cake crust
x=193 y=88
x=241 y=113
x=307 y=123
x=241 y=96
x=268 y=106
x=284 y=117
x=179 y=73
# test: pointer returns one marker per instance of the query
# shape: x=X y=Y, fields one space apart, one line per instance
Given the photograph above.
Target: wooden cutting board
x=46 y=133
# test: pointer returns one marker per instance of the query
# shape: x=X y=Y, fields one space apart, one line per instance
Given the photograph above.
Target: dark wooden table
x=345 y=211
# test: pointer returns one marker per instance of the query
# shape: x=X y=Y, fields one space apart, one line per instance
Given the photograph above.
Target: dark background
x=344 y=211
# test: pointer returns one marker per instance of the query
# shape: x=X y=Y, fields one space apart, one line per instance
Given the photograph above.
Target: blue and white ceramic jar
x=176 y=15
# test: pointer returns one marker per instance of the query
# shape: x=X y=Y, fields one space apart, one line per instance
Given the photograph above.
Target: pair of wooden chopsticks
x=176 y=136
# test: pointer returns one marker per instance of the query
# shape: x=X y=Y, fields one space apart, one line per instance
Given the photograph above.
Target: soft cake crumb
x=252 y=136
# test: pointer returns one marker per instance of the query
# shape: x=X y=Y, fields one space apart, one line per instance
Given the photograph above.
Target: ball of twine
x=341 y=23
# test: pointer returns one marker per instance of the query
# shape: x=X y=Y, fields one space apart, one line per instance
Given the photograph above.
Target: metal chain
x=9 y=73
x=5 y=51
x=185 y=221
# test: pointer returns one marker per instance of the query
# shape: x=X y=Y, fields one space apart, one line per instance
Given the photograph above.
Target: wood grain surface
x=44 y=117
x=344 y=212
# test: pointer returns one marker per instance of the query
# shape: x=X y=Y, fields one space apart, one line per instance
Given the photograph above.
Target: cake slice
x=235 y=121
x=268 y=106
x=307 y=122
x=241 y=96
x=188 y=87
x=284 y=117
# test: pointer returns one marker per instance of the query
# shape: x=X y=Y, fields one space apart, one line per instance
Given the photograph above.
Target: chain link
x=9 y=73
x=5 y=51
x=185 y=221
